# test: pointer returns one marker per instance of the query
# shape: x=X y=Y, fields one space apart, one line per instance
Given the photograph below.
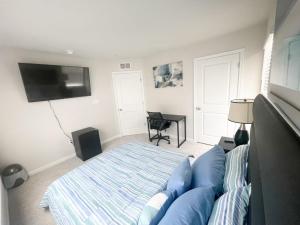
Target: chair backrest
x=156 y=120
x=155 y=115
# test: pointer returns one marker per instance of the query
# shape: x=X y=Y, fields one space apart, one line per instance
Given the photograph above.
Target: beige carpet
x=24 y=201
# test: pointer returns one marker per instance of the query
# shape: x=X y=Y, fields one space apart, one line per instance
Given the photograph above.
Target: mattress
x=112 y=188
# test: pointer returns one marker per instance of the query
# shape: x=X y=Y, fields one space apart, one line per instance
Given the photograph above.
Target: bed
x=116 y=185
x=112 y=188
x=274 y=167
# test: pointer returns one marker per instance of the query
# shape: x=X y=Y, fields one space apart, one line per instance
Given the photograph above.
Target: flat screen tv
x=49 y=82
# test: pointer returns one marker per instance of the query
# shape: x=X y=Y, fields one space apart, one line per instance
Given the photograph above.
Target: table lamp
x=241 y=112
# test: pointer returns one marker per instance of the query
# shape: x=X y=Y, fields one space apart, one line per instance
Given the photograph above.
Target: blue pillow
x=192 y=208
x=209 y=169
x=180 y=180
x=231 y=208
x=236 y=168
x=156 y=208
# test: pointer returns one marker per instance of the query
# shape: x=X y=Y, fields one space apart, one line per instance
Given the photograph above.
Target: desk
x=176 y=119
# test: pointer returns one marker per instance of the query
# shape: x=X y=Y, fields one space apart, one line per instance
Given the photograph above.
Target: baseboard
x=111 y=139
x=49 y=165
x=174 y=137
x=63 y=159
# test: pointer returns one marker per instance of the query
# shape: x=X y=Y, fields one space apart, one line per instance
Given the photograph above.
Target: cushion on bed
x=192 y=208
x=208 y=170
x=236 y=168
x=156 y=208
x=231 y=208
x=181 y=178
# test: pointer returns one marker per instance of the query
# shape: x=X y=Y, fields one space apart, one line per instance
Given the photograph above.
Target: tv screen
x=48 y=82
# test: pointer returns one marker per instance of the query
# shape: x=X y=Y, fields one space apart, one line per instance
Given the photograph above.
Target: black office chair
x=158 y=123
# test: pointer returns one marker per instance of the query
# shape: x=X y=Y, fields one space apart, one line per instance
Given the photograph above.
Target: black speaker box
x=87 y=143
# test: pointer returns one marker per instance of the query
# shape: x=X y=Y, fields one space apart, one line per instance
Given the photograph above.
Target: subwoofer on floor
x=87 y=143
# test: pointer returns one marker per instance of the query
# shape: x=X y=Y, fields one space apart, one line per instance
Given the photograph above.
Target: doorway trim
x=114 y=74
x=241 y=52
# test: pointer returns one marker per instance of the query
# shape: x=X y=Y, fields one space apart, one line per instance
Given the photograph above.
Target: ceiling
x=122 y=28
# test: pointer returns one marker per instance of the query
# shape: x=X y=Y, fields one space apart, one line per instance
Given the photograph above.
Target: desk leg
x=177 y=134
x=148 y=129
x=179 y=144
x=184 y=129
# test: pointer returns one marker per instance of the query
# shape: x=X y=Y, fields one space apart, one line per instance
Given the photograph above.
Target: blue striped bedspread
x=112 y=188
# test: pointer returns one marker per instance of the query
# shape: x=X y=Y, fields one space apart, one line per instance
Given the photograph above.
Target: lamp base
x=241 y=137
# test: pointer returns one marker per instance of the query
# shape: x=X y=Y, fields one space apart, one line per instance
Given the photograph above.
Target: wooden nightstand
x=227 y=144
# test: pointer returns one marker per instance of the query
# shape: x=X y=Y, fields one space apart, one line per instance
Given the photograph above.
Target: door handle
x=198 y=108
x=120 y=109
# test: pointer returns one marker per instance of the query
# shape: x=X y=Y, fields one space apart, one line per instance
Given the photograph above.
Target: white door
x=129 y=97
x=215 y=84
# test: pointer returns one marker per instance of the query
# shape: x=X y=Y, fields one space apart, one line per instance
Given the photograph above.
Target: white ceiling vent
x=125 y=66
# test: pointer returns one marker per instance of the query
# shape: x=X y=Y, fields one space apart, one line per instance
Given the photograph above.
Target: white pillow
x=156 y=208
x=236 y=168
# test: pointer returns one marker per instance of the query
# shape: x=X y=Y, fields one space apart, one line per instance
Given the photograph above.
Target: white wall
x=179 y=100
x=4 y=216
x=271 y=19
x=29 y=134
